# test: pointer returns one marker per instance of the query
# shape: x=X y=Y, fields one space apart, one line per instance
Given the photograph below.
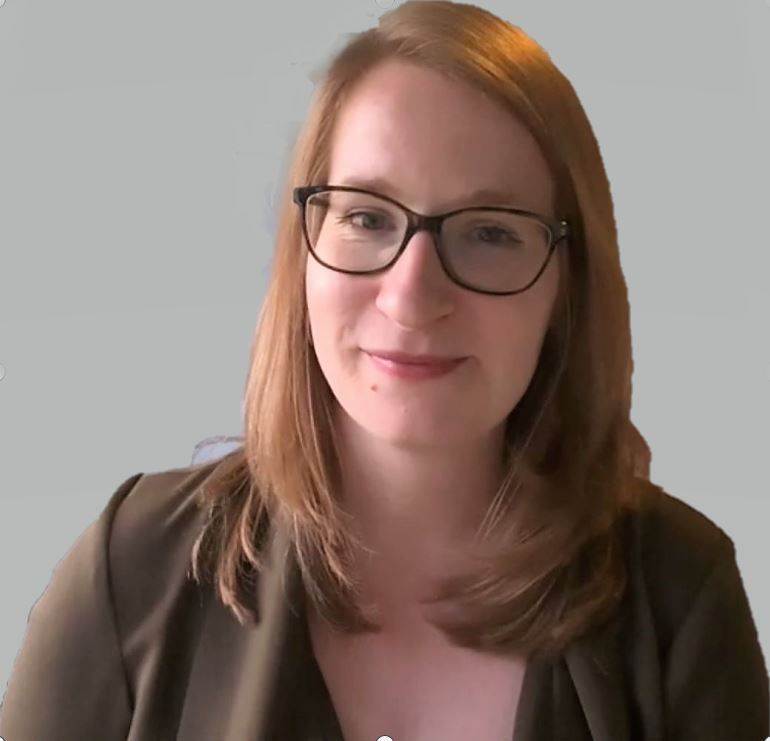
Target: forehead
x=434 y=140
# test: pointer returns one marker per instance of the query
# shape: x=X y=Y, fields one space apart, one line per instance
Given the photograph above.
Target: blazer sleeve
x=716 y=682
x=68 y=679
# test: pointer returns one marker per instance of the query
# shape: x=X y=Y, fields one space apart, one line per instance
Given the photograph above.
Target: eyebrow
x=487 y=196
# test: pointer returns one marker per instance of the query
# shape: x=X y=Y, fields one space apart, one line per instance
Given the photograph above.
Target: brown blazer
x=122 y=645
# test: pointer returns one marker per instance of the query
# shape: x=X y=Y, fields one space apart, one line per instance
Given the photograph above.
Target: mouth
x=411 y=359
x=416 y=369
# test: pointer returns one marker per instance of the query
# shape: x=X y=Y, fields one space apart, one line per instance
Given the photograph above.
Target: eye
x=367 y=215
x=497 y=233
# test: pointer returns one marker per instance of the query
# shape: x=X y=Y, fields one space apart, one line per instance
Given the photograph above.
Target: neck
x=417 y=511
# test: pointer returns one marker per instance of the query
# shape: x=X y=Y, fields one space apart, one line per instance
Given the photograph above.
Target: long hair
x=555 y=564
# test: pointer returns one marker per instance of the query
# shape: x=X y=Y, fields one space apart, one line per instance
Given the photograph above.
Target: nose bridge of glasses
x=418 y=222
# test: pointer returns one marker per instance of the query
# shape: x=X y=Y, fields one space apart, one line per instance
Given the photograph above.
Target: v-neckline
x=324 y=724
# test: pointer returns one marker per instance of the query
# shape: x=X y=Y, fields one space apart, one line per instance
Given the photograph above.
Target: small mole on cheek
x=374 y=387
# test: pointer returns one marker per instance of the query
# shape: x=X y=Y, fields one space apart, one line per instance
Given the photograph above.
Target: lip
x=415 y=371
x=407 y=358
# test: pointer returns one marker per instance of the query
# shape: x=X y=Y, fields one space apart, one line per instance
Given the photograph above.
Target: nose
x=415 y=290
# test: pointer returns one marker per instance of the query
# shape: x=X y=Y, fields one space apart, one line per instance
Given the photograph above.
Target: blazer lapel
x=234 y=673
x=594 y=664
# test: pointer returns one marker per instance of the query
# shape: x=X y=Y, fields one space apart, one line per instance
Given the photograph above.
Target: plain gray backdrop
x=142 y=148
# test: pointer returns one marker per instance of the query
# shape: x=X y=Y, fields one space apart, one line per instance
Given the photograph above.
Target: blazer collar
x=234 y=680
x=596 y=670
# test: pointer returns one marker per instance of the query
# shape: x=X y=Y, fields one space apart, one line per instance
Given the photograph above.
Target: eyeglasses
x=486 y=249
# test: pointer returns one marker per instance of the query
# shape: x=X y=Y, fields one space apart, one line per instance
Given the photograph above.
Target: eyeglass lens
x=489 y=250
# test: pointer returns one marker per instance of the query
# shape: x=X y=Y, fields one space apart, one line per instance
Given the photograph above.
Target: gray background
x=141 y=150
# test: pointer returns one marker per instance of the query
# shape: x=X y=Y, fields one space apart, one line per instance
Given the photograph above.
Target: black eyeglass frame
x=558 y=229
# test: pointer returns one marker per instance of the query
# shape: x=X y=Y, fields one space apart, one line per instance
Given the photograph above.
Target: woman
x=440 y=524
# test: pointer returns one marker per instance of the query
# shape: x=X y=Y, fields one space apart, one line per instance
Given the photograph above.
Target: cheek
x=333 y=308
x=317 y=288
x=323 y=294
x=511 y=346
x=512 y=354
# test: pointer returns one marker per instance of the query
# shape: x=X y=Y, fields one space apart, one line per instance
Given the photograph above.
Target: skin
x=421 y=459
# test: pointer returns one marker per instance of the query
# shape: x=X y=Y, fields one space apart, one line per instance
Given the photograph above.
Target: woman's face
x=434 y=142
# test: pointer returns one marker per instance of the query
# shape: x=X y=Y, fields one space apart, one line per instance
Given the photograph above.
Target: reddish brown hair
x=571 y=444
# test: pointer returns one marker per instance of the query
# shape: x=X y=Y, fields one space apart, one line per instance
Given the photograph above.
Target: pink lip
x=402 y=357
x=415 y=370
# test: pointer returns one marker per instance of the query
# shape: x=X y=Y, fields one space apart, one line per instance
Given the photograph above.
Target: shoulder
x=157 y=606
x=159 y=510
x=135 y=553
x=105 y=610
x=145 y=518
x=689 y=638
x=151 y=534
x=672 y=550
x=667 y=532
